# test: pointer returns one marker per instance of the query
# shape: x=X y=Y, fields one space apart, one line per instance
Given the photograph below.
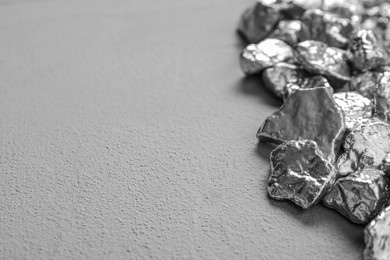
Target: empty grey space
x=127 y=131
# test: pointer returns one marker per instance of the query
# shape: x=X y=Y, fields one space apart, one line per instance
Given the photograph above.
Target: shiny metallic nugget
x=257 y=57
x=318 y=58
x=259 y=20
x=367 y=51
x=326 y=27
x=275 y=78
x=360 y=195
x=365 y=146
x=377 y=237
x=308 y=114
x=300 y=173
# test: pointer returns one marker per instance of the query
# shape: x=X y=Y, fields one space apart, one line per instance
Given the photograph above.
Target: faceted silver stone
x=309 y=114
x=257 y=57
x=275 y=78
x=360 y=195
x=259 y=20
x=354 y=106
x=318 y=58
x=300 y=173
x=365 y=146
x=288 y=31
x=377 y=237
x=367 y=51
x=326 y=27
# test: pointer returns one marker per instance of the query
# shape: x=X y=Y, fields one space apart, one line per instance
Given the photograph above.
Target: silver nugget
x=258 y=21
x=367 y=51
x=275 y=78
x=300 y=173
x=309 y=114
x=377 y=237
x=318 y=58
x=257 y=57
x=360 y=195
x=365 y=146
x=326 y=27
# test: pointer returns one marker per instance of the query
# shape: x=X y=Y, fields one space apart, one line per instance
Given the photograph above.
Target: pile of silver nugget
x=328 y=62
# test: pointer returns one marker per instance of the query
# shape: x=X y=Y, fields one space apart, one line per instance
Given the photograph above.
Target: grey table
x=128 y=131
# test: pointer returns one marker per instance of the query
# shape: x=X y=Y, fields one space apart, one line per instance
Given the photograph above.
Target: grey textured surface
x=128 y=131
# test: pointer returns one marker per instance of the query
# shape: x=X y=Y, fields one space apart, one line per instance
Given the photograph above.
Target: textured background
x=128 y=131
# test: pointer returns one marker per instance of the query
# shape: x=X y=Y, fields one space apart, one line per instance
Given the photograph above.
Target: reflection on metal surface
x=318 y=58
x=334 y=146
x=326 y=27
x=367 y=144
x=299 y=172
x=305 y=83
x=259 y=20
x=367 y=51
x=288 y=31
x=377 y=237
x=354 y=106
x=309 y=114
x=360 y=195
x=365 y=83
x=382 y=97
x=275 y=78
x=257 y=57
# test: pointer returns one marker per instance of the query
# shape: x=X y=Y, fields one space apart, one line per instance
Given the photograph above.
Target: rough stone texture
x=300 y=173
x=360 y=195
x=354 y=106
x=365 y=146
x=127 y=133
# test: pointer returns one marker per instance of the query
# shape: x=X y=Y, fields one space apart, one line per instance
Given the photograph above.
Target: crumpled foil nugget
x=300 y=173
